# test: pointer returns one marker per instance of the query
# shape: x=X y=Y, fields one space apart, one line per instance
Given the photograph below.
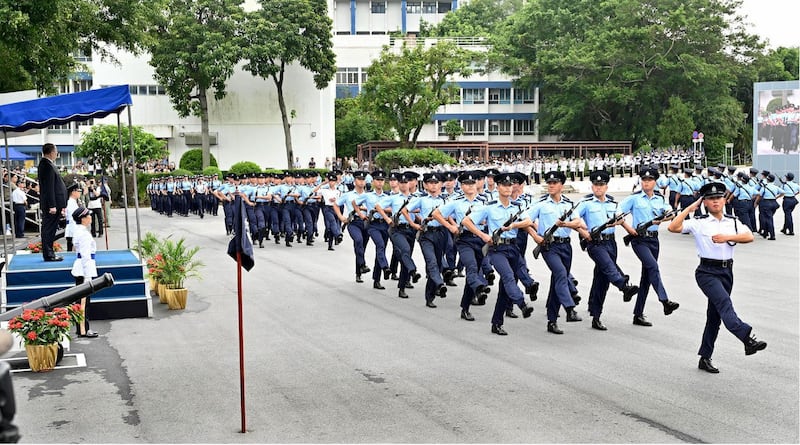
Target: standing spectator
x=312 y=163
x=53 y=200
x=95 y=204
x=297 y=163
x=328 y=163
x=33 y=195
x=20 y=206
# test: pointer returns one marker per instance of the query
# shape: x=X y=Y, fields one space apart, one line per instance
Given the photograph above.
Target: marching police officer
x=715 y=235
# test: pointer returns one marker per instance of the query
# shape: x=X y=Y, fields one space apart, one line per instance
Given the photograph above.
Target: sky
x=774 y=20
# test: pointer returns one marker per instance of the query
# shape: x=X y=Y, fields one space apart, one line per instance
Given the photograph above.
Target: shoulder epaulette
x=610 y=198
x=657 y=192
x=481 y=198
x=488 y=203
x=589 y=196
x=542 y=198
x=729 y=216
x=639 y=192
x=701 y=216
x=565 y=199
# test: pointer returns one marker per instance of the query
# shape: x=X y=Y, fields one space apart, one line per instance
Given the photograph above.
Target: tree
x=452 y=129
x=478 y=18
x=37 y=38
x=284 y=32
x=194 y=49
x=354 y=126
x=607 y=69
x=676 y=124
x=193 y=160
x=101 y=143
x=403 y=90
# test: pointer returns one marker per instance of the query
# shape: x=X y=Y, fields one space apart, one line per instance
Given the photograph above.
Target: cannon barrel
x=64 y=297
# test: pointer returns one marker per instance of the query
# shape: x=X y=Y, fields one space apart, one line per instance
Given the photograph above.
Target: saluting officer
x=505 y=255
x=715 y=235
x=648 y=205
x=595 y=212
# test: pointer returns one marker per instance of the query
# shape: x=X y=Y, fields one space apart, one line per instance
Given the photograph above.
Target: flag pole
x=241 y=338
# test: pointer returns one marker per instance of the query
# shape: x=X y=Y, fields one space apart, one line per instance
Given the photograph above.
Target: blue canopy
x=13 y=155
x=64 y=108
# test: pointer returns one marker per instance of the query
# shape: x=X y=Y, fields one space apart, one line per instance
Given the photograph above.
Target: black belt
x=716 y=263
x=506 y=241
x=650 y=234
x=434 y=228
x=403 y=226
x=602 y=237
x=561 y=240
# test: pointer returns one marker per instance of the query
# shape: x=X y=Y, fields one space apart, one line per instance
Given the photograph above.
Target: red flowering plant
x=155 y=266
x=37 y=247
x=38 y=327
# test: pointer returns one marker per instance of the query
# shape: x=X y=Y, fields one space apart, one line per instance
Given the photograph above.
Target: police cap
x=712 y=190
x=555 y=176
x=431 y=177
x=74 y=186
x=468 y=177
x=378 y=174
x=359 y=174
x=599 y=177
x=649 y=172
x=790 y=176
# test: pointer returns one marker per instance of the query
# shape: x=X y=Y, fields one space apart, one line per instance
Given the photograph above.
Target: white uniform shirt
x=703 y=228
x=72 y=206
x=85 y=246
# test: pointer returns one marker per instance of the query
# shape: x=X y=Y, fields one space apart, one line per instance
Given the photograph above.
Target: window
x=499 y=127
x=82 y=55
x=413 y=7
x=524 y=127
x=474 y=128
x=64 y=129
x=444 y=7
x=429 y=7
x=152 y=90
x=523 y=96
x=161 y=91
x=86 y=123
x=347 y=76
x=81 y=85
x=364 y=76
x=473 y=95
x=378 y=7
x=499 y=95
x=440 y=128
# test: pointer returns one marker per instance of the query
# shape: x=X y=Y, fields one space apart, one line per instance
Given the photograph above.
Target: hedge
x=409 y=157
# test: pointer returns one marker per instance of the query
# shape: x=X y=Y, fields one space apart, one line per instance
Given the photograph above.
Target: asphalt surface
x=329 y=360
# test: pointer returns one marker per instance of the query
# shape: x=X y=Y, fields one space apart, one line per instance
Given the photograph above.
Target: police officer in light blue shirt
x=401 y=233
x=378 y=227
x=790 y=191
x=648 y=206
x=503 y=218
x=356 y=217
x=596 y=211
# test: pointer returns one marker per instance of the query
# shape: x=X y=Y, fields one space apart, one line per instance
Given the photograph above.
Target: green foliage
x=244 y=167
x=178 y=262
x=404 y=90
x=409 y=157
x=452 y=129
x=607 y=69
x=286 y=32
x=476 y=18
x=676 y=124
x=193 y=160
x=37 y=38
x=212 y=170
x=148 y=246
x=194 y=49
x=354 y=126
x=101 y=144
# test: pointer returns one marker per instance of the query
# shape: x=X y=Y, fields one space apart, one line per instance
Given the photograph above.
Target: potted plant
x=148 y=249
x=42 y=331
x=178 y=265
x=37 y=247
x=155 y=271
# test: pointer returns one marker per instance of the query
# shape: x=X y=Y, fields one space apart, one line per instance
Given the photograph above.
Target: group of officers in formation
x=476 y=224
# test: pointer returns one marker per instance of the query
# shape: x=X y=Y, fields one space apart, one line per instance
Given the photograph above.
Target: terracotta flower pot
x=42 y=358
x=176 y=298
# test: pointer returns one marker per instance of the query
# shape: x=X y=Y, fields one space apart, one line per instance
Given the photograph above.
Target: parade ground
x=328 y=360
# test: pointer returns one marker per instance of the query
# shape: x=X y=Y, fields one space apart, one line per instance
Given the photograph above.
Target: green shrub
x=408 y=157
x=244 y=167
x=212 y=170
x=193 y=160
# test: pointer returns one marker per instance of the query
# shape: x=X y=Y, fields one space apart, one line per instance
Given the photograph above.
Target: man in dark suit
x=53 y=199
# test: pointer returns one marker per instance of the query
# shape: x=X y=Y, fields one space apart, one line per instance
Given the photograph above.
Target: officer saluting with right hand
x=715 y=235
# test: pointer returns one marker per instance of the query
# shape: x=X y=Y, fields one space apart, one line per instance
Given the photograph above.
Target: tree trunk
x=204 y=127
x=287 y=127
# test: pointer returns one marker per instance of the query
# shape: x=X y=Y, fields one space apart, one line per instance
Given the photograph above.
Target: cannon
x=8 y=431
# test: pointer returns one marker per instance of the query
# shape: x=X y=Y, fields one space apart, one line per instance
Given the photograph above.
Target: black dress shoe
x=430 y=304
x=510 y=313
x=751 y=345
x=365 y=269
x=358 y=279
x=670 y=306
x=490 y=278
x=415 y=276
x=378 y=285
x=577 y=299
x=641 y=320
x=705 y=365
x=572 y=315
x=386 y=273
x=441 y=291
x=628 y=292
x=465 y=315
x=597 y=324
x=498 y=329
x=55 y=258
x=89 y=334
x=552 y=327
x=475 y=301
x=331 y=248
x=402 y=294
x=533 y=290
x=450 y=283
x=394 y=277
x=527 y=311
x=409 y=286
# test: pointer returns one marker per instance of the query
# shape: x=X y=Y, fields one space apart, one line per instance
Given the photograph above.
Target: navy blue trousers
x=647 y=249
x=469 y=251
x=506 y=261
x=433 y=244
x=717 y=283
x=379 y=234
x=558 y=258
x=606 y=271
x=789 y=203
x=403 y=245
x=360 y=238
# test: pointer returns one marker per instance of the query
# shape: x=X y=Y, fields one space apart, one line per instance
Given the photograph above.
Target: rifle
x=425 y=222
x=461 y=225
x=499 y=231
x=350 y=219
x=642 y=228
x=550 y=232
x=597 y=231
x=396 y=215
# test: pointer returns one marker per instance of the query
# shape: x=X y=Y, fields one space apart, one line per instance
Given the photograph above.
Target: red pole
x=241 y=337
